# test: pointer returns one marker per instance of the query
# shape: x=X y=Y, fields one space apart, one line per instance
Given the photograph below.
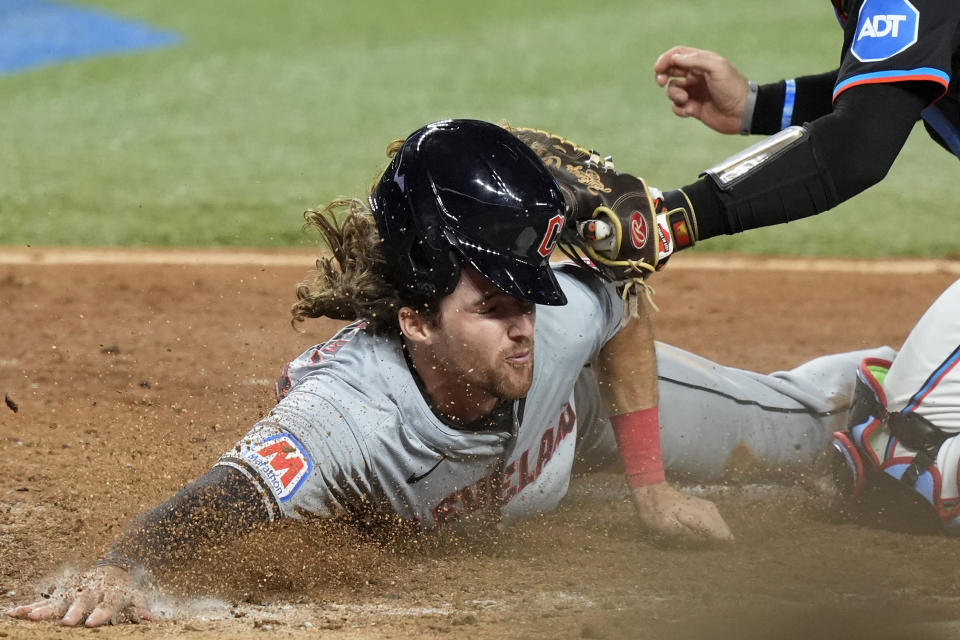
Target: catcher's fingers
x=663 y=68
x=676 y=93
x=683 y=61
x=688 y=108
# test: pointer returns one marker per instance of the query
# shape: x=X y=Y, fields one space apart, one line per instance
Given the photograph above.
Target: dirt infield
x=126 y=374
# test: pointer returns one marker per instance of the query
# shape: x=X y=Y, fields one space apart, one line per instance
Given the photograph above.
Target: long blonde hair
x=350 y=283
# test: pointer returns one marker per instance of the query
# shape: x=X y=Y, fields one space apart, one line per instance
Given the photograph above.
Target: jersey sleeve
x=591 y=300
x=304 y=457
x=888 y=41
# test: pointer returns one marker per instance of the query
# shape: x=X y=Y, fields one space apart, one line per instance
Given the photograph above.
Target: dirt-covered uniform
x=354 y=432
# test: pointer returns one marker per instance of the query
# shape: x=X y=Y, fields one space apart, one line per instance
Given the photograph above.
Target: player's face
x=484 y=340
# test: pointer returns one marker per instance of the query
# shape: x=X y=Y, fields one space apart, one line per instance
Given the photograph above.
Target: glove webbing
x=594 y=158
x=629 y=288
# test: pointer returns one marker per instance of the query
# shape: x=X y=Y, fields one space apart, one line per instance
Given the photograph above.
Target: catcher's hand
x=612 y=217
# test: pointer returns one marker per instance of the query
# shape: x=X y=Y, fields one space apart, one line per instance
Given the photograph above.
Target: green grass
x=268 y=108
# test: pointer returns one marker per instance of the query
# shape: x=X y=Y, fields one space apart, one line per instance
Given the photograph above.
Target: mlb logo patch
x=281 y=461
x=884 y=29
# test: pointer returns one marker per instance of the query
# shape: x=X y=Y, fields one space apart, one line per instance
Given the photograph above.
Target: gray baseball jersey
x=354 y=434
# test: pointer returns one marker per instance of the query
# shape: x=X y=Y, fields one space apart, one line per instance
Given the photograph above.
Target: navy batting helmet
x=469 y=190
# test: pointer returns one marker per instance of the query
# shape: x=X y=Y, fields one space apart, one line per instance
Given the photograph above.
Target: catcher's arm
x=213 y=509
x=627 y=373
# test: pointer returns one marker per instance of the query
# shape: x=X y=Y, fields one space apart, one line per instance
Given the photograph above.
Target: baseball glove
x=615 y=222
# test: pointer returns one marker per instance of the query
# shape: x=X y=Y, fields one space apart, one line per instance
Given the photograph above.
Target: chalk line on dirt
x=305 y=258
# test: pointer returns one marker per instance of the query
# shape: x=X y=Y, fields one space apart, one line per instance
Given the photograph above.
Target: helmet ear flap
x=434 y=272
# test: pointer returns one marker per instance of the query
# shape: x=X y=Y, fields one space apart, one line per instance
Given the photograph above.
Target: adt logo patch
x=885 y=28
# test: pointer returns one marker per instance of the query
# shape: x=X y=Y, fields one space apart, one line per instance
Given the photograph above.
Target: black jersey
x=888 y=41
x=896 y=66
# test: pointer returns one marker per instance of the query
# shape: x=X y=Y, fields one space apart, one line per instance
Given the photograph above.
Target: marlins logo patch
x=281 y=461
x=884 y=29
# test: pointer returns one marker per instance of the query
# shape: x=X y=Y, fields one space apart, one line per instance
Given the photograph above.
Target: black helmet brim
x=520 y=279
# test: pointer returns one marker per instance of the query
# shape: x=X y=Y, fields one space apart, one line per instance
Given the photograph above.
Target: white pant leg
x=775 y=425
x=925 y=377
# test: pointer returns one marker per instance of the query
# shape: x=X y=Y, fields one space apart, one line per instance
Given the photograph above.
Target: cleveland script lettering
x=496 y=489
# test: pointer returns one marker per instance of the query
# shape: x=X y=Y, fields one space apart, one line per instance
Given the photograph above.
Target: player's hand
x=703 y=85
x=94 y=598
x=670 y=513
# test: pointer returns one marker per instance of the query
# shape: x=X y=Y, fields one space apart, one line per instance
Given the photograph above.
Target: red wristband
x=638 y=436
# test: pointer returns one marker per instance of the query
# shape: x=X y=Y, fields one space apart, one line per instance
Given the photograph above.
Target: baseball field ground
x=150 y=242
x=111 y=406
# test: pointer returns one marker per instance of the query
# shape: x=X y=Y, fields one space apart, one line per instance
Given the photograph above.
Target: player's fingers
x=48 y=610
x=719 y=532
x=683 y=81
x=695 y=62
x=24 y=610
x=106 y=610
x=707 y=522
x=677 y=94
x=21 y=611
x=141 y=613
x=664 y=62
x=671 y=75
x=84 y=604
x=140 y=607
x=100 y=615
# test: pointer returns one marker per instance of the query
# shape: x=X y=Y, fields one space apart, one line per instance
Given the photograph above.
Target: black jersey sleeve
x=897 y=41
x=847 y=150
x=794 y=101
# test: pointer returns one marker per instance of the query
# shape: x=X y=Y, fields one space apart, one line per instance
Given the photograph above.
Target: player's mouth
x=520 y=358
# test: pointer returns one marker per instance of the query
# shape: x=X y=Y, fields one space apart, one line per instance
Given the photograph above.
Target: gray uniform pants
x=721 y=423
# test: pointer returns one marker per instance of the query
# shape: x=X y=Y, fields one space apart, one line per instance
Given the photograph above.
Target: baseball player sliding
x=467 y=387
